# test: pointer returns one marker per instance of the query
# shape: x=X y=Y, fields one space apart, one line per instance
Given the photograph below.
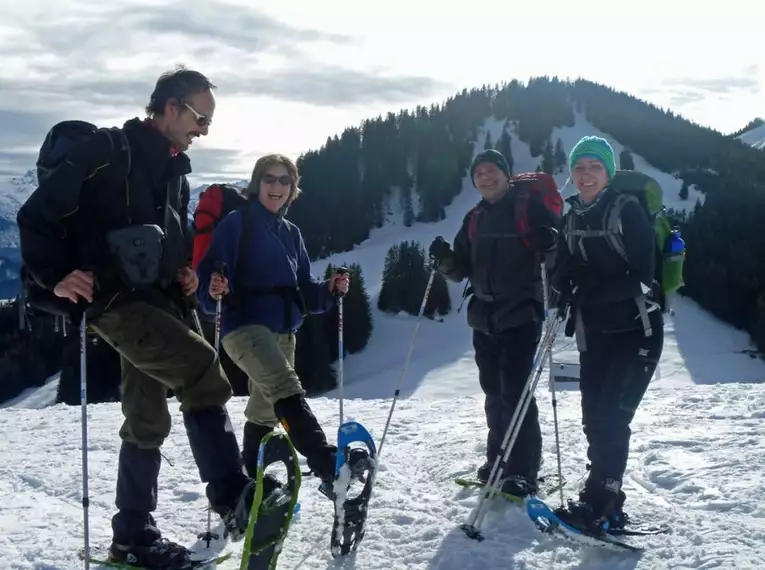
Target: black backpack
x=66 y=135
x=61 y=139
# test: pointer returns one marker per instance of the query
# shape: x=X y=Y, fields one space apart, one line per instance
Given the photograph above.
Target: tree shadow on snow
x=373 y=373
x=712 y=352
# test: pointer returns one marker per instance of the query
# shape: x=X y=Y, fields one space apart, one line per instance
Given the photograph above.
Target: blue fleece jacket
x=276 y=258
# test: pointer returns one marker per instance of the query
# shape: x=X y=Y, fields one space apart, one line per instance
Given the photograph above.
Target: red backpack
x=525 y=185
x=214 y=204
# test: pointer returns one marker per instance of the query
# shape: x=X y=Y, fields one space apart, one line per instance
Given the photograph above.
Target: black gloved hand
x=561 y=300
x=543 y=239
x=439 y=249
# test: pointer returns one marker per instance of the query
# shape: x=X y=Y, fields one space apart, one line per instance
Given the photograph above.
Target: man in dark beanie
x=494 y=157
x=499 y=248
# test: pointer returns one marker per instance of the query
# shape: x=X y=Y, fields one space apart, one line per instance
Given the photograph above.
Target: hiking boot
x=484 y=471
x=162 y=553
x=237 y=518
x=598 y=509
x=358 y=462
x=519 y=486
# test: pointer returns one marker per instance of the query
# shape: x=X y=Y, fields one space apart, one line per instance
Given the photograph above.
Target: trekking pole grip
x=219 y=267
x=341 y=271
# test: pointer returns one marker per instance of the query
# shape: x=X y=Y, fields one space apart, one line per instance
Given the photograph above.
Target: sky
x=291 y=73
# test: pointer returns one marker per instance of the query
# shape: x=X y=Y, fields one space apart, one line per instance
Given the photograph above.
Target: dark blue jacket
x=275 y=258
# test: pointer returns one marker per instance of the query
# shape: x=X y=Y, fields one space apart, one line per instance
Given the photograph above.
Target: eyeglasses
x=284 y=180
x=202 y=120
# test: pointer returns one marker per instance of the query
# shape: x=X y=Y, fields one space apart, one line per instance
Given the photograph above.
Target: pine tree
x=358 y=312
x=388 y=298
x=626 y=161
x=406 y=281
x=559 y=158
x=684 y=191
x=439 y=302
x=407 y=208
x=313 y=356
x=548 y=160
x=487 y=141
x=504 y=145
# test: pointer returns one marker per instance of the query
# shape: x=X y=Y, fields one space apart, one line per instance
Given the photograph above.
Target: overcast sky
x=290 y=73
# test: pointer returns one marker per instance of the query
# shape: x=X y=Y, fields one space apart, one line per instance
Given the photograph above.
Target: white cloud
x=291 y=74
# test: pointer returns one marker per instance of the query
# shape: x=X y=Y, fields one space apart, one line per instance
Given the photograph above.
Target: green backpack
x=669 y=242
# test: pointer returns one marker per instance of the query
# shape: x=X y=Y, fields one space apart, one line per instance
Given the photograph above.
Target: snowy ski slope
x=697 y=459
x=754 y=137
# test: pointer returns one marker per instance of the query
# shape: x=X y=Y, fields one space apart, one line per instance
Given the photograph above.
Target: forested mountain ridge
x=413 y=162
x=406 y=167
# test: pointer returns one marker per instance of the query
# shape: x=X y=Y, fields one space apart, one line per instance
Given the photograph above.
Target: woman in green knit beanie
x=617 y=322
x=593 y=165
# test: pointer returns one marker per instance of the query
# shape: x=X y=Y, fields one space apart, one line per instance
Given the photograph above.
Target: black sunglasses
x=284 y=180
x=202 y=120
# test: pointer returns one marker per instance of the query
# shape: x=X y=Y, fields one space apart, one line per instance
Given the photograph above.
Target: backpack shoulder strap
x=472 y=222
x=613 y=223
x=123 y=146
x=521 y=209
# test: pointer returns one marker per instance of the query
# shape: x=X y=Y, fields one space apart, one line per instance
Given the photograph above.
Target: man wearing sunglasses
x=106 y=233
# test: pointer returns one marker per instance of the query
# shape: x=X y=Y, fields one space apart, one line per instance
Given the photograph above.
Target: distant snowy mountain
x=754 y=137
x=13 y=193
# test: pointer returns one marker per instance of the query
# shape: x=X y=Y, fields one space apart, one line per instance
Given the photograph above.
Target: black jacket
x=505 y=273
x=598 y=281
x=64 y=223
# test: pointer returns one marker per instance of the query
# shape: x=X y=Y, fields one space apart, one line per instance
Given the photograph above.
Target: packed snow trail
x=698 y=459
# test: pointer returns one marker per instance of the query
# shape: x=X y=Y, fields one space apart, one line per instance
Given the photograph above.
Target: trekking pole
x=513 y=429
x=408 y=355
x=220 y=268
x=197 y=322
x=552 y=384
x=84 y=409
x=340 y=344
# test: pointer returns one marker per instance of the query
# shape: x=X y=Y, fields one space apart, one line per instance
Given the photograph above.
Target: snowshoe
x=516 y=492
x=348 y=526
x=272 y=510
x=548 y=521
x=161 y=555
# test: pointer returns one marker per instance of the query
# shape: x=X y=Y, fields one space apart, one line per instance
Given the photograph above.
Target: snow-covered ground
x=697 y=458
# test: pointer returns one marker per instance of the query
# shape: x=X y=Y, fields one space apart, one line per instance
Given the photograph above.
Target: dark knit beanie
x=493 y=156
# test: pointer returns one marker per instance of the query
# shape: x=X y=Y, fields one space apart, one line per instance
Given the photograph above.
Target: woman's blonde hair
x=261 y=169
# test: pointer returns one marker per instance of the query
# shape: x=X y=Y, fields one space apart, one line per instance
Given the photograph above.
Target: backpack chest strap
x=612 y=230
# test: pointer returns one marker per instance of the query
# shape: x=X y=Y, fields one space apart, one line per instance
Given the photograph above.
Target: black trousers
x=504 y=363
x=615 y=371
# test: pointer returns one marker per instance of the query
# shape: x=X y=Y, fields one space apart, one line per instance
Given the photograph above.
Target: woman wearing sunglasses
x=258 y=261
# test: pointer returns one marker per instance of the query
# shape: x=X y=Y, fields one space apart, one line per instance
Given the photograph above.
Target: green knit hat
x=594 y=147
